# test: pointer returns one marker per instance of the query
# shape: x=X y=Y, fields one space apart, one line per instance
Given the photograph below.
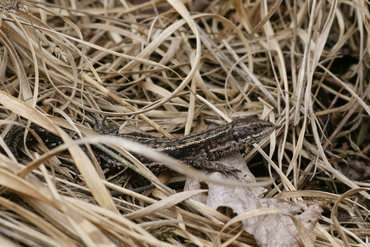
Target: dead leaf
x=270 y=229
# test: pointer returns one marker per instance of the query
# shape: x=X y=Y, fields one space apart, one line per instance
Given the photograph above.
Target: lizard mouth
x=261 y=135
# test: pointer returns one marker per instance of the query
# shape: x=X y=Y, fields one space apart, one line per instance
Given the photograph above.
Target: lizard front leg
x=201 y=161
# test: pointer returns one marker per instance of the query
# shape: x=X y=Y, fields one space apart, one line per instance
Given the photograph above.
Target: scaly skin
x=200 y=150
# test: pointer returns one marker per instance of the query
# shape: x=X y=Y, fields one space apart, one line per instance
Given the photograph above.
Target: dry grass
x=155 y=66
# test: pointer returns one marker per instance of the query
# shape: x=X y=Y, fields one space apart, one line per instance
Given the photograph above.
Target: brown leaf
x=270 y=229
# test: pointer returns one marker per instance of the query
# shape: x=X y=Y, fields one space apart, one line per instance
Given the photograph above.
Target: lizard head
x=250 y=130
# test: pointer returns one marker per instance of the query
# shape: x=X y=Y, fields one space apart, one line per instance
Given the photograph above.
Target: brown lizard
x=200 y=150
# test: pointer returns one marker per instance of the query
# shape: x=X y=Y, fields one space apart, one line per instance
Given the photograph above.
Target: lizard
x=200 y=150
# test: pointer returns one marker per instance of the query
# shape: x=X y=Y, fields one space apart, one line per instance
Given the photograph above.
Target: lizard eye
x=254 y=128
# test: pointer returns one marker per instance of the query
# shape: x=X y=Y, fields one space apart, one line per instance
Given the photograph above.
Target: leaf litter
x=269 y=229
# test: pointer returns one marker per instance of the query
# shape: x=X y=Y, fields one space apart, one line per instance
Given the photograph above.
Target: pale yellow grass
x=157 y=66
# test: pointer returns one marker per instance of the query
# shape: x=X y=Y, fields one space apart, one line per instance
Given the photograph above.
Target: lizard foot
x=215 y=166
